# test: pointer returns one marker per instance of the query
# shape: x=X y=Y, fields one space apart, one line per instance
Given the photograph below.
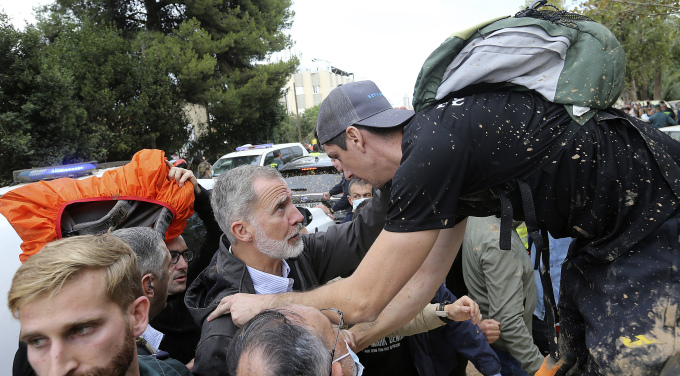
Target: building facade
x=311 y=84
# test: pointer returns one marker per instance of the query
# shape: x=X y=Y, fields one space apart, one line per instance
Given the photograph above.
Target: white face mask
x=358 y=367
x=356 y=203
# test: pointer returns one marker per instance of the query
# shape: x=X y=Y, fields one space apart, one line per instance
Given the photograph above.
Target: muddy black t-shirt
x=602 y=186
x=388 y=356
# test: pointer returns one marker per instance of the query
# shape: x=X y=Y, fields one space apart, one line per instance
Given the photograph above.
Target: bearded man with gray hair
x=270 y=253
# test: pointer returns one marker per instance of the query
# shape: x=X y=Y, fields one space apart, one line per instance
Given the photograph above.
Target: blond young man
x=81 y=305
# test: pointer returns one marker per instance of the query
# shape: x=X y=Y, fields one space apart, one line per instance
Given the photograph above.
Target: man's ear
x=336 y=369
x=349 y=198
x=147 y=285
x=354 y=137
x=243 y=231
x=138 y=315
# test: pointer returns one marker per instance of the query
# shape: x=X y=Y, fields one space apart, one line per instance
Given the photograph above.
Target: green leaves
x=646 y=30
x=89 y=95
x=102 y=79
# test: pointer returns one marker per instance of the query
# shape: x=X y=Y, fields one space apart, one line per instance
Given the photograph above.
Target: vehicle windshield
x=311 y=181
x=225 y=164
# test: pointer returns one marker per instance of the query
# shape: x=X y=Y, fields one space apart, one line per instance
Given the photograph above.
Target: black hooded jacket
x=326 y=255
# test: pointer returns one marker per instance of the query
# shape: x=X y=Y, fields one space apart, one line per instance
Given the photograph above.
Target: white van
x=258 y=155
x=673 y=131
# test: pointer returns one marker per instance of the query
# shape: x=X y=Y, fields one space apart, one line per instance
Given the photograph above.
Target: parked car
x=673 y=131
x=258 y=155
x=9 y=340
x=308 y=178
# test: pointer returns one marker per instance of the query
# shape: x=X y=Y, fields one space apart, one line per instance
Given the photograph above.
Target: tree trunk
x=634 y=90
x=153 y=18
x=657 y=85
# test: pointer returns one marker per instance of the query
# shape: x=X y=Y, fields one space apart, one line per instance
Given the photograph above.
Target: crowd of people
x=427 y=274
x=659 y=115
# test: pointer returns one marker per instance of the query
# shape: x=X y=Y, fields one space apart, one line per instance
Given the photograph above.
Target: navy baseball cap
x=357 y=103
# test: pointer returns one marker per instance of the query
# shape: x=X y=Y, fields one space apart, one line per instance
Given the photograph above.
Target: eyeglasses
x=174 y=256
x=341 y=322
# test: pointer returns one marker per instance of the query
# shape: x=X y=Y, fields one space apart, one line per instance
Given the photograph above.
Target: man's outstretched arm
x=418 y=292
x=390 y=263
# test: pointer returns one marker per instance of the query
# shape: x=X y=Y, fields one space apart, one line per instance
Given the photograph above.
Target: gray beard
x=277 y=249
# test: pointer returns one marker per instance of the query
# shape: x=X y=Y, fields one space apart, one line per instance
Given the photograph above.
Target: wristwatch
x=440 y=310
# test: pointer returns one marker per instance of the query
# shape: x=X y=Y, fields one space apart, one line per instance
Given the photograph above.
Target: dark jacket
x=434 y=352
x=326 y=255
x=343 y=202
x=150 y=366
x=662 y=119
x=181 y=334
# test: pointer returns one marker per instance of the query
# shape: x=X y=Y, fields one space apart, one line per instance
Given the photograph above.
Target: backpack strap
x=111 y=220
x=97 y=218
x=506 y=221
x=163 y=221
x=551 y=314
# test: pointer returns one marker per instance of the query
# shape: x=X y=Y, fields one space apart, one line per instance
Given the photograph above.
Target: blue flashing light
x=72 y=170
x=263 y=146
x=248 y=147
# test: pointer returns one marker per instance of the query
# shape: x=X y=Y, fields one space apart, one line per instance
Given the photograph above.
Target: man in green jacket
x=660 y=119
x=502 y=283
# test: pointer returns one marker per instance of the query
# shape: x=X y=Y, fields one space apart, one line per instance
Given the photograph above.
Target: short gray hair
x=286 y=347
x=233 y=195
x=149 y=246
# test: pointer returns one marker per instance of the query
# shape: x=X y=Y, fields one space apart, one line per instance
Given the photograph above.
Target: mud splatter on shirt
x=603 y=187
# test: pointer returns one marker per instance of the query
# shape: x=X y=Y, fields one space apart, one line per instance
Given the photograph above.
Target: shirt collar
x=153 y=337
x=266 y=283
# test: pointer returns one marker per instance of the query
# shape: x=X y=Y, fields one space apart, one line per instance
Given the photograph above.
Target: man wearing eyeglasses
x=180 y=256
x=181 y=334
x=297 y=340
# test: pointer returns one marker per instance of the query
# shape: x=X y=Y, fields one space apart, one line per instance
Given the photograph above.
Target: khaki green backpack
x=567 y=58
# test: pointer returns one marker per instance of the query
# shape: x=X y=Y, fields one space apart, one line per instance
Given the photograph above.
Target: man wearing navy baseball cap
x=612 y=183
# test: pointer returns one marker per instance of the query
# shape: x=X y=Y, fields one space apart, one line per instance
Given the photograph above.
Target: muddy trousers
x=621 y=318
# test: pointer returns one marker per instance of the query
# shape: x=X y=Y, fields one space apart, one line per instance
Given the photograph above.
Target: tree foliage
x=647 y=31
x=214 y=49
x=101 y=79
x=89 y=95
x=560 y=4
x=17 y=57
x=126 y=92
x=289 y=131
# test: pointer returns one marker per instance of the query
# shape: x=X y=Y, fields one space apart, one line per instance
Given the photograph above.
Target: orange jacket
x=35 y=209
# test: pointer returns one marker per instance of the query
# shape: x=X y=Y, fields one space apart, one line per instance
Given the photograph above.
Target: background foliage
x=648 y=31
x=102 y=79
